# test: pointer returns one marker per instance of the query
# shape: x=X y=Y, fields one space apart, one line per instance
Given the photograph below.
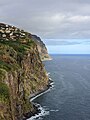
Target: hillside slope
x=21 y=73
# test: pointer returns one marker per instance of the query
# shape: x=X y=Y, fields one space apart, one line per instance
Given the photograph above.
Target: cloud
x=49 y=18
x=66 y=42
x=79 y=18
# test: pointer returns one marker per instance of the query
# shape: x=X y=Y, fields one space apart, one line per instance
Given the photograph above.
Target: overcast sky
x=64 y=25
x=49 y=18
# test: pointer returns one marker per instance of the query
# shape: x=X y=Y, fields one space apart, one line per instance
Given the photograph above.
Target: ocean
x=69 y=98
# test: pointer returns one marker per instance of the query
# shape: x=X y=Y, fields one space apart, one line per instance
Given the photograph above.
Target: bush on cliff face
x=4 y=92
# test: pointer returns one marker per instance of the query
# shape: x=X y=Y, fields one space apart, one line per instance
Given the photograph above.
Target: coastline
x=37 y=94
x=37 y=109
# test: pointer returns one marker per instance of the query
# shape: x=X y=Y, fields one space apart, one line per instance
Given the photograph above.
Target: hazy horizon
x=68 y=46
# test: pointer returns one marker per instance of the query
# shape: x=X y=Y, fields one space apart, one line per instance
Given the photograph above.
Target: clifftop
x=21 y=73
x=8 y=32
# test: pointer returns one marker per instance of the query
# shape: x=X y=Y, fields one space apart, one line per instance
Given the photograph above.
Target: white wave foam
x=48 y=73
x=39 y=115
x=54 y=110
x=44 y=110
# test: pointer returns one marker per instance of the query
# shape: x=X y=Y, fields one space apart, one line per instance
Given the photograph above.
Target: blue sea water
x=69 y=99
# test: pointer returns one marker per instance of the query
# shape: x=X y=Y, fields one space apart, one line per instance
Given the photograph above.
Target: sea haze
x=70 y=97
x=68 y=46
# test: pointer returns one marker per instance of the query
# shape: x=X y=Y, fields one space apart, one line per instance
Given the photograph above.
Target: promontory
x=22 y=73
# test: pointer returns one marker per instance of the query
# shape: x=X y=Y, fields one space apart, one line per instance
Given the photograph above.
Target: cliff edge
x=41 y=48
x=21 y=73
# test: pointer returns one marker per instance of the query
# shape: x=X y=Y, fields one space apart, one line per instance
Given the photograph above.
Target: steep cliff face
x=41 y=48
x=21 y=73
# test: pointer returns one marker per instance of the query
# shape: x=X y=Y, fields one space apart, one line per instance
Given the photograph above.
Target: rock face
x=21 y=73
x=41 y=48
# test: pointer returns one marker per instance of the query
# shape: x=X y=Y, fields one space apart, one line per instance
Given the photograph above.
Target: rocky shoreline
x=34 y=96
x=30 y=114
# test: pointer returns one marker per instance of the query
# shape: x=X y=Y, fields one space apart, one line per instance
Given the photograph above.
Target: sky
x=68 y=46
x=60 y=20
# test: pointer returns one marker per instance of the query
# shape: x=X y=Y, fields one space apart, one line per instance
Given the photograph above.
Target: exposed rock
x=13 y=33
x=21 y=73
x=41 y=48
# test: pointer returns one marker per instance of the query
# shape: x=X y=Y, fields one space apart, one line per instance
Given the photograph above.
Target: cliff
x=21 y=73
x=41 y=48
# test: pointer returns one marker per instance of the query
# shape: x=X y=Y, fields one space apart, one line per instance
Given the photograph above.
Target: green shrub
x=4 y=92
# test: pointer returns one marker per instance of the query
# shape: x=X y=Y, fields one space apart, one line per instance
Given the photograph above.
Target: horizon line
x=66 y=54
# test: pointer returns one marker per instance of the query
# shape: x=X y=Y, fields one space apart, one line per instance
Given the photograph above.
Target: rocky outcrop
x=21 y=73
x=41 y=48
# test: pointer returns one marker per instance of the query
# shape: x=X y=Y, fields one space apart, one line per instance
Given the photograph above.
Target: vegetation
x=4 y=92
x=21 y=72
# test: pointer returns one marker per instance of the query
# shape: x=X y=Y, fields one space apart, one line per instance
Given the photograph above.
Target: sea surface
x=69 y=99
